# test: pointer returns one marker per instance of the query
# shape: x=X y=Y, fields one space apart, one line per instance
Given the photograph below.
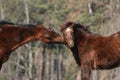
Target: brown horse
x=13 y=36
x=91 y=51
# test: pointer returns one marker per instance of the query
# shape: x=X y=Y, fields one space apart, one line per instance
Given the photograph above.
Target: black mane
x=6 y=22
x=11 y=23
x=27 y=25
x=82 y=27
x=75 y=26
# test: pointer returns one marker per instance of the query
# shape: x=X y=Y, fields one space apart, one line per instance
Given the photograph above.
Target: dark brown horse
x=91 y=51
x=13 y=36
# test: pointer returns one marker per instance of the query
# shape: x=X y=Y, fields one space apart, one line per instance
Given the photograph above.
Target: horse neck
x=58 y=40
x=20 y=36
x=81 y=37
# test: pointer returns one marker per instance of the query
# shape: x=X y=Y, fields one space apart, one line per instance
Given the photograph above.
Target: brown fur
x=92 y=51
x=13 y=36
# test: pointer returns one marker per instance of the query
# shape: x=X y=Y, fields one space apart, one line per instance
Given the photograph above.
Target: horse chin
x=71 y=44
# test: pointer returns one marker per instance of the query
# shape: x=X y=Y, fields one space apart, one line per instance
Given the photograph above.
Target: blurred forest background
x=39 y=61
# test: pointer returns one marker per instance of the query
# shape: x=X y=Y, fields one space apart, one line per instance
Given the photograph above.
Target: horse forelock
x=75 y=26
x=66 y=25
x=82 y=27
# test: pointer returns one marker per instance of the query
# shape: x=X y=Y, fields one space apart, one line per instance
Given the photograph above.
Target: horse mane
x=81 y=27
x=6 y=22
x=11 y=23
x=75 y=26
x=26 y=25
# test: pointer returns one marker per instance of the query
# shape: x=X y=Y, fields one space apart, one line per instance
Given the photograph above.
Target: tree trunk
x=43 y=63
x=30 y=65
x=26 y=12
x=2 y=11
x=94 y=75
x=59 y=66
x=38 y=61
x=51 y=72
x=90 y=8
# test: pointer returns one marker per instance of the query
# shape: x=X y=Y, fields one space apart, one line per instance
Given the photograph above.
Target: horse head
x=49 y=35
x=69 y=28
x=68 y=33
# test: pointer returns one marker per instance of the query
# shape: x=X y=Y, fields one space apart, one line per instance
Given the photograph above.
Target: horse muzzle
x=70 y=44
